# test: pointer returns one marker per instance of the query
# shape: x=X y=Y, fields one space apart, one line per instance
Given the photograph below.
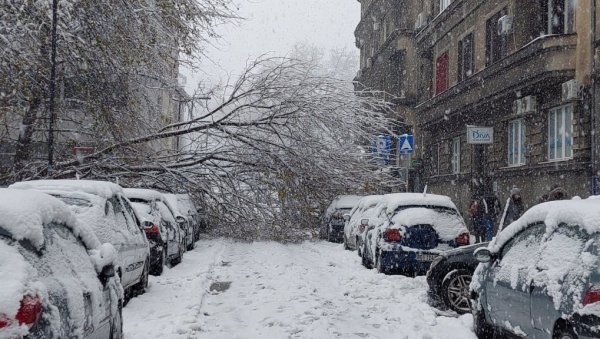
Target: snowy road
x=313 y=290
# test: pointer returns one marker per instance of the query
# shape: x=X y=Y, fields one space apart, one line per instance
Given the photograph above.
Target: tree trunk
x=23 y=149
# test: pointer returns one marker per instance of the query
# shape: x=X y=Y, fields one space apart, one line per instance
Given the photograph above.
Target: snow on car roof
x=395 y=200
x=583 y=213
x=143 y=193
x=346 y=201
x=448 y=226
x=25 y=212
x=104 y=189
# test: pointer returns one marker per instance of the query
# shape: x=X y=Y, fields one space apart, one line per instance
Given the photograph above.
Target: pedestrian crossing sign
x=406 y=144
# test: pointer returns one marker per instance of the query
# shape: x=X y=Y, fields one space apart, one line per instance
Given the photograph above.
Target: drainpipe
x=593 y=94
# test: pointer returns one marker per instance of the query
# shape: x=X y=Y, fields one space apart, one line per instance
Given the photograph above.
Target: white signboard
x=480 y=135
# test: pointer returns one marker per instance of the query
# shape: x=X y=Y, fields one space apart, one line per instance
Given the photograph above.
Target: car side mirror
x=483 y=255
x=347 y=217
x=147 y=225
x=107 y=272
x=180 y=219
x=364 y=222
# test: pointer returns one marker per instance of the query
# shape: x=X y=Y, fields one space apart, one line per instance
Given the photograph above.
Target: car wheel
x=179 y=258
x=365 y=261
x=379 y=263
x=143 y=283
x=564 y=331
x=346 y=247
x=455 y=291
x=116 y=326
x=158 y=267
x=191 y=246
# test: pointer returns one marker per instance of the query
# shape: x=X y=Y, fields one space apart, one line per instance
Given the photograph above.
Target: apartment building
x=520 y=72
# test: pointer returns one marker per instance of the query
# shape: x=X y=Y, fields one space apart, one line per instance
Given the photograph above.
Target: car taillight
x=392 y=235
x=28 y=314
x=152 y=230
x=463 y=239
x=592 y=295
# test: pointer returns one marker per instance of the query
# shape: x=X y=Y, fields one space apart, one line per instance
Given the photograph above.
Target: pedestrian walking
x=475 y=213
x=515 y=207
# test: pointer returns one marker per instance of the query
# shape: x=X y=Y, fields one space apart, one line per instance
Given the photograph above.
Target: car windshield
x=74 y=201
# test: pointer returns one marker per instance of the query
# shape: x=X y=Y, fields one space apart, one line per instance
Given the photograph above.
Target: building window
x=560 y=133
x=441 y=73
x=557 y=16
x=465 y=57
x=495 y=44
x=456 y=155
x=444 y=4
x=516 y=143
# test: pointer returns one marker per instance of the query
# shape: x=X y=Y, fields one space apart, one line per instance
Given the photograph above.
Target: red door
x=441 y=73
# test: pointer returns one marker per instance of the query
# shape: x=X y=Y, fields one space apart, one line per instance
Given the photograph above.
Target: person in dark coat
x=477 y=227
x=515 y=207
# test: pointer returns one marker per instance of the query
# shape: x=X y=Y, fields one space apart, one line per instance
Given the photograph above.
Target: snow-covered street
x=225 y=289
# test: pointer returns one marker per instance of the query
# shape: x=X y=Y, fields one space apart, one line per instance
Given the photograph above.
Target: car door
x=558 y=276
x=508 y=284
x=129 y=256
x=138 y=237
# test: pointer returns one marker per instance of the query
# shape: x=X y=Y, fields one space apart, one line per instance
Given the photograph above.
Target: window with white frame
x=557 y=16
x=560 y=133
x=444 y=4
x=456 y=155
x=516 y=143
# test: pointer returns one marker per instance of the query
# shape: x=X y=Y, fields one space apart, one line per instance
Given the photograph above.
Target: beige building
x=523 y=69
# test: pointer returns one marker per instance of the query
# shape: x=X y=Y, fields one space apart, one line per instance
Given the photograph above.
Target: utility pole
x=51 y=107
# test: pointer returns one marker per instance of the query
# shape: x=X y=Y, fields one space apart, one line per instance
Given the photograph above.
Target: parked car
x=449 y=277
x=103 y=206
x=540 y=276
x=183 y=219
x=188 y=207
x=410 y=231
x=58 y=280
x=364 y=209
x=332 y=221
x=162 y=231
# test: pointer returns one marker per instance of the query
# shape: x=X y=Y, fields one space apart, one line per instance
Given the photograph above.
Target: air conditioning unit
x=376 y=26
x=505 y=25
x=570 y=90
x=369 y=62
x=528 y=104
x=421 y=20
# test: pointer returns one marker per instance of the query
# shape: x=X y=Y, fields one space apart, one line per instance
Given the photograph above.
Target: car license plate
x=426 y=257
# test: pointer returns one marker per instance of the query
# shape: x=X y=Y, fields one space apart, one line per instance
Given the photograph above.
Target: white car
x=103 y=206
x=183 y=219
x=364 y=209
x=163 y=233
x=58 y=281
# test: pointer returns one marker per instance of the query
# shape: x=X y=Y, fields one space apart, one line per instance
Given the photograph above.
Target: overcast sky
x=274 y=26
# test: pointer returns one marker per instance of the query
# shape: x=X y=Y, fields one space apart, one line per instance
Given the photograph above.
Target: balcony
x=549 y=59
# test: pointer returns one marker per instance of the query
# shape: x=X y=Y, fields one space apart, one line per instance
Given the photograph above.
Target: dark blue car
x=410 y=233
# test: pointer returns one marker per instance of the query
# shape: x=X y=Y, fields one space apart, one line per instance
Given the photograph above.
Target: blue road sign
x=406 y=144
x=382 y=149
